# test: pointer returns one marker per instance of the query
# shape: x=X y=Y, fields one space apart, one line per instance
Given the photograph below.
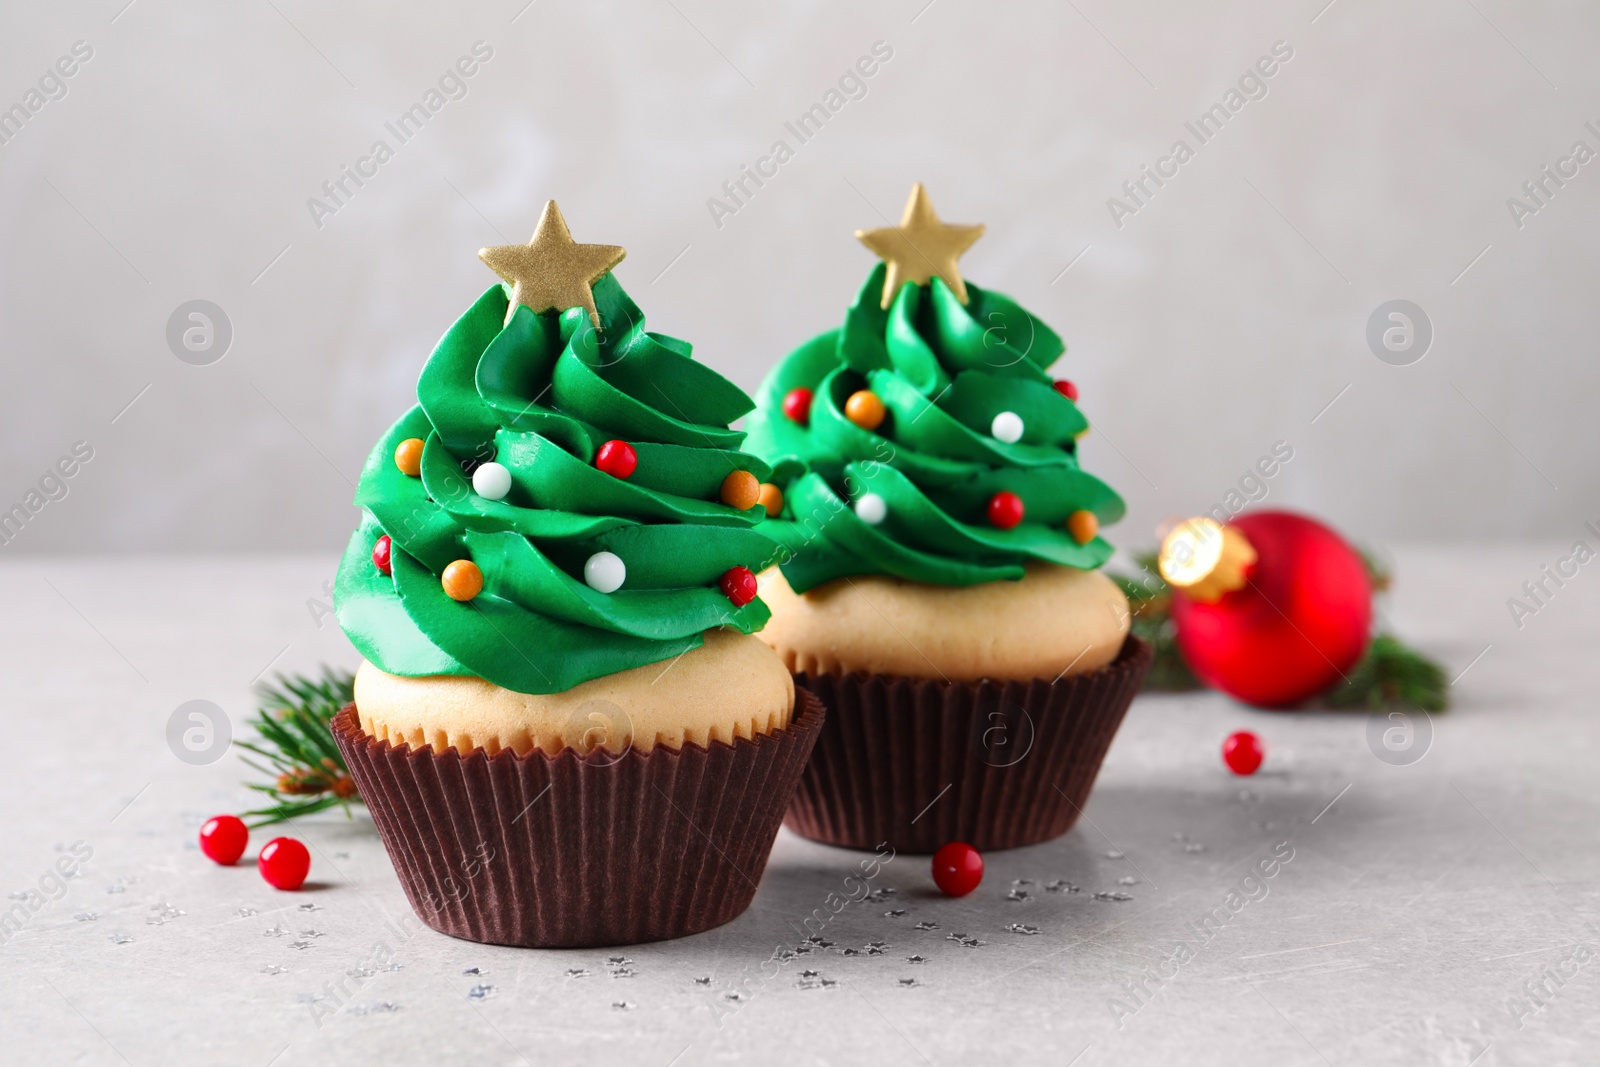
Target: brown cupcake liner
x=575 y=851
x=922 y=763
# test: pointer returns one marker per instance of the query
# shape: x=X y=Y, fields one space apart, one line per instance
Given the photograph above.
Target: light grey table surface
x=1441 y=912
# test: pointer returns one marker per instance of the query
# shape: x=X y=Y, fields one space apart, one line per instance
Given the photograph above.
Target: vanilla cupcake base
x=916 y=763
x=731 y=687
x=1056 y=622
x=575 y=851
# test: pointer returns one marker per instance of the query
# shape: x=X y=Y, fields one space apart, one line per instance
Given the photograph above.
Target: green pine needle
x=1149 y=601
x=1390 y=674
x=304 y=770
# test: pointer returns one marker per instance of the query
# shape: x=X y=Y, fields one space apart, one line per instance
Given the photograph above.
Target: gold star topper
x=921 y=247
x=552 y=271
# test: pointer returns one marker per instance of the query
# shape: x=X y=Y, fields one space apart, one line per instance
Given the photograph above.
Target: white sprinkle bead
x=1007 y=427
x=605 y=572
x=871 y=509
x=491 y=481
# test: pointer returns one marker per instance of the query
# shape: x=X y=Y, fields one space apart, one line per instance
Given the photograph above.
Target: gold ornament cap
x=920 y=247
x=1205 y=559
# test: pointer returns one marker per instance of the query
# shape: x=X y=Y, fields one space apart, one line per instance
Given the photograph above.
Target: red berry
x=957 y=869
x=1243 y=752
x=797 y=405
x=1066 y=389
x=738 y=585
x=1005 y=509
x=223 y=838
x=616 y=458
x=284 y=862
x=380 y=554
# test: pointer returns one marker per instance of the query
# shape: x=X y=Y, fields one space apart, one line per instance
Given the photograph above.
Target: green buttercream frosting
x=539 y=395
x=943 y=370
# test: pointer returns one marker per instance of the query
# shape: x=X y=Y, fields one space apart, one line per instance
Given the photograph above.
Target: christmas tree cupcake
x=939 y=586
x=564 y=732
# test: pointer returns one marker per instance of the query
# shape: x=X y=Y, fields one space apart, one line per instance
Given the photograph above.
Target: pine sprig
x=1149 y=602
x=305 y=770
x=1389 y=675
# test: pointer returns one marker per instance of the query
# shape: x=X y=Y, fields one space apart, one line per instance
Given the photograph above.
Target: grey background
x=1226 y=315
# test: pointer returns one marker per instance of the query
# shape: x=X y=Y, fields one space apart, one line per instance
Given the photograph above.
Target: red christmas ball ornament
x=1005 y=509
x=957 y=869
x=617 y=458
x=1066 y=389
x=223 y=838
x=738 y=585
x=1243 y=752
x=797 y=405
x=380 y=554
x=1272 y=608
x=284 y=863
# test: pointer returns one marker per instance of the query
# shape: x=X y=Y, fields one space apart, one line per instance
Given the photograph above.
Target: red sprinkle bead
x=1066 y=389
x=1005 y=509
x=616 y=458
x=284 y=863
x=738 y=585
x=223 y=838
x=1243 y=752
x=797 y=405
x=380 y=554
x=957 y=869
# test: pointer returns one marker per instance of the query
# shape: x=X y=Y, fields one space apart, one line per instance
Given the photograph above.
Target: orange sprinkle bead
x=1082 y=525
x=864 y=409
x=771 y=498
x=462 y=580
x=741 y=490
x=408 y=456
